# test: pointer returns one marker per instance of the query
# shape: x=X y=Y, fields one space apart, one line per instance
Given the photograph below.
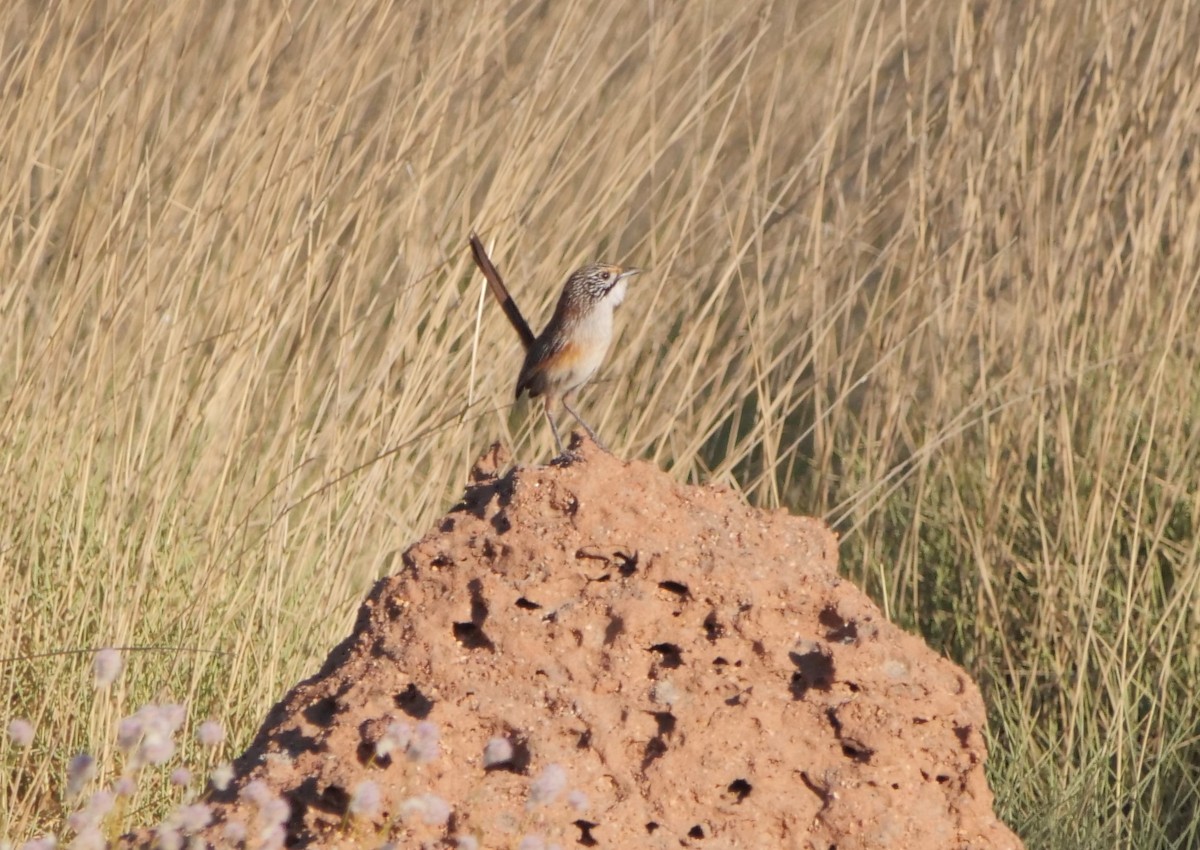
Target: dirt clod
x=695 y=667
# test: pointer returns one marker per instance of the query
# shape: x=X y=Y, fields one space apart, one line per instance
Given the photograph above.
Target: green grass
x=926 y=270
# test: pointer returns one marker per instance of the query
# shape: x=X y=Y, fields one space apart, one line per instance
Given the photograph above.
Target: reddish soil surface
x=695 y=666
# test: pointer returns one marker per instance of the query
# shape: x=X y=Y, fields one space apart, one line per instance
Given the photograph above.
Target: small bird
x=571 y=348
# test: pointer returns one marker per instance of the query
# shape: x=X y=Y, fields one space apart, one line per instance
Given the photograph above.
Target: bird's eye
x=605 y=275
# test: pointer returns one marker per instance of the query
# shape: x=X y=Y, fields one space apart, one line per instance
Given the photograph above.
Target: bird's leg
x=546 y=401
x=586 y=426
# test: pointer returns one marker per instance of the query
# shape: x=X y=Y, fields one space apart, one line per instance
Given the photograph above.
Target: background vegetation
x=926 y=269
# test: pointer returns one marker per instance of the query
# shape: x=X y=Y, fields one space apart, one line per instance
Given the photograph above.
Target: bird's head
x=599 y=282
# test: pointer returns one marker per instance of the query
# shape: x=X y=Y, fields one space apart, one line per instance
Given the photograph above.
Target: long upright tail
x=511 y=310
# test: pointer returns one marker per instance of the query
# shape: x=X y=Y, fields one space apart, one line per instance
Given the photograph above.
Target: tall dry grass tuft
x=929 y=270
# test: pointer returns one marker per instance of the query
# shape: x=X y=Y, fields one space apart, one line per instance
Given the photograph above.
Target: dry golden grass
x=927 y=269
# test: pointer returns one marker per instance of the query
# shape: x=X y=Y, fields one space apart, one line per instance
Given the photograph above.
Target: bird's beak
x=628 y=273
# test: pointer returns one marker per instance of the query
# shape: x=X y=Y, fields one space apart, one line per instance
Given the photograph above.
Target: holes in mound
x=696 y=831
x=656 y=747
x=838 y=628
x=566 y=503
x=857 y=751
x=613 y=629
x=414 y=703
x=665 y=721
x=322 y=712
x=627 y=564
x=471 y=635
x=585 y=832
x=527 y=605
x=672 y=656
x=651 y=826
x=851 y=748
x=334 y=799
x=294 y=742
x=821 y=791
x=834 y=721
x=677 y=587
x=479 y=609
x=814 y=669
x=591 y=553
x=712 y=627
x=365 y=753
x=740 y=788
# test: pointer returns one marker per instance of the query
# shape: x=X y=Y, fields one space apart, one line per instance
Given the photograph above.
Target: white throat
x=617 y=294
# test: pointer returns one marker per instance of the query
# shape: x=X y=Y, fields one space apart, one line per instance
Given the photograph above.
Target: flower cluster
x=149 y=738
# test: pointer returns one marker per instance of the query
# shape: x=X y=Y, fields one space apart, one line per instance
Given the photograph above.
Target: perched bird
x=568 y=352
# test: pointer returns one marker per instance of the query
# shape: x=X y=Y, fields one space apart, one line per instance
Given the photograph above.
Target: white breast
x=593 y=335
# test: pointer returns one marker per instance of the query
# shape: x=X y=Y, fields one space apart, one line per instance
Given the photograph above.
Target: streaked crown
x=594 y=282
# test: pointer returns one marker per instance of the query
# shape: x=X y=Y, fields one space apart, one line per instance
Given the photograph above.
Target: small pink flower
x=45 y=842
x=424 y=746
x=191 y=819
x=157 y=748
x=129 y=732
x=91 y=815
x=234 y=831
x=106 y=667
x=548 y=785
x=210 y=733
x=257 y=792
x=80 y=770
x=221 y=776
x=273 y=837
x=89 y=838
x=497 y=751
x=366 y=800
x=276 y=810
x=21 y=732
x=395 y=737
x=148 y=736
x=437 y=810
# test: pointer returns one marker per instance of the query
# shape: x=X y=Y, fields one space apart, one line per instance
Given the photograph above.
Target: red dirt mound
x=655 y=666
